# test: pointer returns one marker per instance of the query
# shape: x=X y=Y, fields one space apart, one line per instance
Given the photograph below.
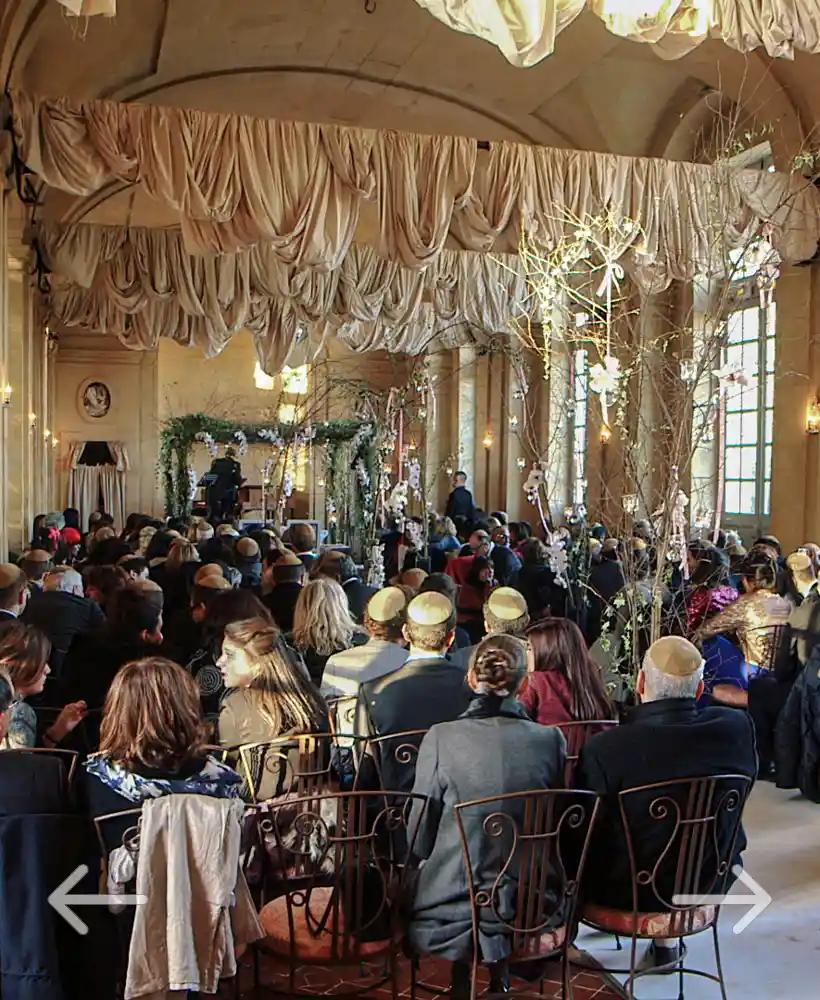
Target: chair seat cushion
x=650 y=925
x=309 y=942
x=549 y=941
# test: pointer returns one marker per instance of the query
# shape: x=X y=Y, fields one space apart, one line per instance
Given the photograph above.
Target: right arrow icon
x=758 y=900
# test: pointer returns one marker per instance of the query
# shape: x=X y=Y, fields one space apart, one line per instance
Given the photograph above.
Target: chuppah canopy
x=268 y=213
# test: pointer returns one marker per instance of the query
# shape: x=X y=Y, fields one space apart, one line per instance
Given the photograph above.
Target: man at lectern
x=223 y=492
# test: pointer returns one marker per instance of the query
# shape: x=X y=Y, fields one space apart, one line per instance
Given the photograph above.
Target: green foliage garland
x=178 y=438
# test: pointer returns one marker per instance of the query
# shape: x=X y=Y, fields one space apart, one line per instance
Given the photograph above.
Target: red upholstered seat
x=310 y=943
x=649 y=925
x=549 y=941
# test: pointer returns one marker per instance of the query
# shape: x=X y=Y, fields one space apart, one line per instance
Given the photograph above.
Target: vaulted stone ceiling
x=329 y=60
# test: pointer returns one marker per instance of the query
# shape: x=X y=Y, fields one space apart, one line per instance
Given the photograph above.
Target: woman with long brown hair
x=24 y=652
x=152 y=741
x=271 y=697
x=565 y=684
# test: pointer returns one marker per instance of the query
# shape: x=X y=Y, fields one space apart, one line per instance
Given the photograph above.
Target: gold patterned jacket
x=753 y=618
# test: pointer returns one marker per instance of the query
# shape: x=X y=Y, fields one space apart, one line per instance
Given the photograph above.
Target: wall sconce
x=813 y=418
x=54 y=442
x=32 y=419
x=514 y=421
x=488 y=440
x=5 y=398
x=606 y=434
x=46 y=433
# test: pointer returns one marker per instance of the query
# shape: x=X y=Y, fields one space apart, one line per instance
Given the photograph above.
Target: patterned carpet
x=586 y=983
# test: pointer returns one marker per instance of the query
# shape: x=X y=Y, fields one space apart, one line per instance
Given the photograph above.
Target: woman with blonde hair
x=323 y=625
x=176 y=574
x=269 y=696
x=152 y=741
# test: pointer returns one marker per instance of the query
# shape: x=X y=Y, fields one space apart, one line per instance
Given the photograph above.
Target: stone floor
x=778 y=955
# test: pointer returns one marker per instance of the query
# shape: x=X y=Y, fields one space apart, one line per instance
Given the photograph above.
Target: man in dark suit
x=358 y=593
x=13 y=591
x=664 y=738
x=427 y=690
x=222 y=494
x=460 y=503
x=288 y=573
x=62 y=612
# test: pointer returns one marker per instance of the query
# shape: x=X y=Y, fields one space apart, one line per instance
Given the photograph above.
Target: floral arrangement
x=241 y=441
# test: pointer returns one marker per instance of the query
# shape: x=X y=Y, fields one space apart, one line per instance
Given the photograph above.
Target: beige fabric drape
x=525 y=30
x=90 y=8
x=140 y=284
x=296 y=189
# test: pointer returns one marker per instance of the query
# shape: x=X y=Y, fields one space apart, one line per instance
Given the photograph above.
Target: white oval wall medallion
x=96 y=399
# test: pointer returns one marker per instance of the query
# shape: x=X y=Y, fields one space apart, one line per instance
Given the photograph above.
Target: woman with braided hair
x=492 y=749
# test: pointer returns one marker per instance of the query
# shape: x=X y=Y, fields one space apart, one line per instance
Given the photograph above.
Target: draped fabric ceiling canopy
x=525 y=30
x=268 y=211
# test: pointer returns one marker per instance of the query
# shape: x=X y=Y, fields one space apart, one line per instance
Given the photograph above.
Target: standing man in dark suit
x=664 y=738
x=427 y=690
x=222 y=494
x=460 y=503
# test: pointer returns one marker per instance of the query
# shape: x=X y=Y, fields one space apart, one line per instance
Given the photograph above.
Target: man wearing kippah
x=505 y=612
x=384 y=618
x=426 y=690
x=664 y=738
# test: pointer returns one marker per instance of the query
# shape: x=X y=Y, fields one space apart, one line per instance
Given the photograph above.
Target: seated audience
x=565 y=684
x=176 y=574
x=29 y=783
x=102 y=582
x=664 y=738
x=413 y=579
x=505 y=612
x=340 y=567
x=444 y=541
x=249 y=563
x=302 y=540
x=797 y=737
x=61 y=612
x=287 y=575
x=269 y=697
x=489 y=750
x=708 y=592
x=474 y=575
x=752 y=619
x=68 y=551
x=35 y=564
x=13 y=592
x=134 y=567
x=24 y=657
x=506 y=563
x=536 y=581
x=606 y=578
x=441 y=583
x=426 y=690
x=322 y=625
x=133 y=631
x=804 y=620
x=382 y=654
x=215 y=605
x=152 y=743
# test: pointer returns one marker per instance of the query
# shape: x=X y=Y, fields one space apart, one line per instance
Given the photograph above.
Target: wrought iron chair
x=680 y=839
x=577 y=734
x=524 y=855
x=394 y=758
x=300 y=765
x=340 y=883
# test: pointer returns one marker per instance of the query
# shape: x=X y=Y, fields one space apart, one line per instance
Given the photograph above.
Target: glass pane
x=733 y=426
x=751 y=324
x=748 y=428
x=733 y=463
x=747 y=498
x=580 y=413
x=751 y=356
x=748 y=398
x=734 y=402
x=734 y=328
x=769 y=392
x=734 y=355
x=767 y=498
x=748 y=462
x=770 y=355
x=732 y=503
x=771 y=319
x=767 y=462
x=769 y=431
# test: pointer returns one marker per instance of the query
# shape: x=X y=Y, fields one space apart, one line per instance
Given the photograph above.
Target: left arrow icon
x=62 y=901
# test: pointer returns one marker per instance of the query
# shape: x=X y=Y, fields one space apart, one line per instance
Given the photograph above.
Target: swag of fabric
x=236 y=182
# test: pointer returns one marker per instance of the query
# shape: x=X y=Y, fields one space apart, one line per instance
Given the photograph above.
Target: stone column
x=465 y=412
x=436 y=480
x=513 y=430
x=4 y=375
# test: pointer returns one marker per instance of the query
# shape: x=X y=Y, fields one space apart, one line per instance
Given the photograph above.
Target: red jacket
x=547 y=699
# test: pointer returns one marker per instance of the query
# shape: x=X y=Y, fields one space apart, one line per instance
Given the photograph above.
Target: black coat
x=32 y=783
x=281 y=602
x=543 y=595
x=62 y=617
x=358 y=594
x=606 y=578
x=797 y=738
x=460 y=505
x=506 y=565
x=418 y=695
x=659 y=741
